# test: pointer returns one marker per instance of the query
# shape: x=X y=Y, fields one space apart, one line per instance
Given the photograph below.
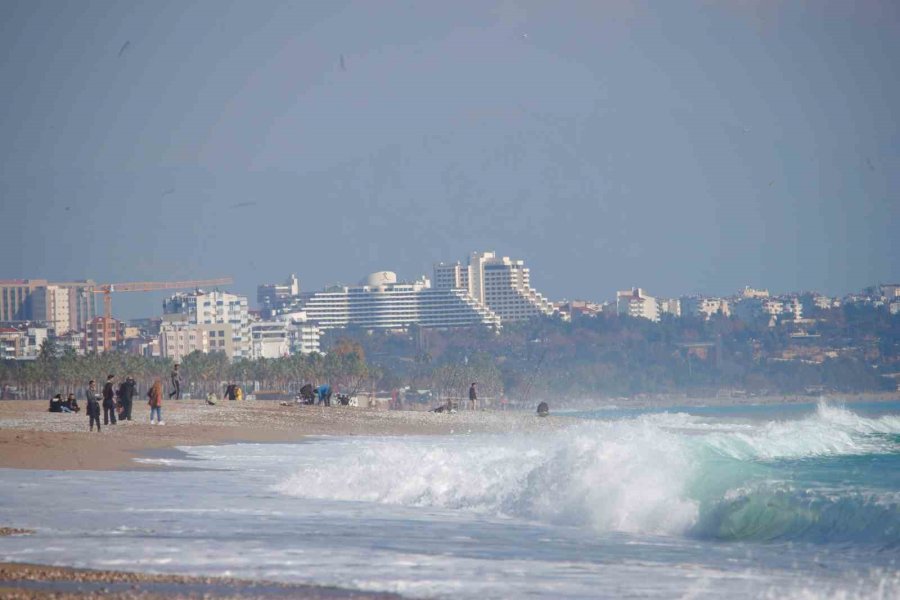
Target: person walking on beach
x=109 y=401
x=155 y=402
x=473 y=396
x=126 y=396
x=93 y=405
x=176 y=383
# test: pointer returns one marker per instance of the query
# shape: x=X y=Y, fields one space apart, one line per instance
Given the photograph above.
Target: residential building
x=700 y=306
x=50 y=304
x=669 y=306
x=273 y=296
x=749 y=292
x=269 y=339
x=891 y=291
x=303 y=335
x=216 y=308
x=638 y=304
x=93 y=335
x=73 y=340
x=13 y=343
x=39 y=300
x=500 y=284
x=826 y=303
x=15 y=298
x=180 y=337
x=381 y=302
x=578 y=308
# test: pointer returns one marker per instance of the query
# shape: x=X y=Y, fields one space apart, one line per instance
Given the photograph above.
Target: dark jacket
x=93 y=404
x=126 y=390
x=109 y=395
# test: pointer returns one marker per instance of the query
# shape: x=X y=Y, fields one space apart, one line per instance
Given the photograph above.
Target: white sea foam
x=650 y=474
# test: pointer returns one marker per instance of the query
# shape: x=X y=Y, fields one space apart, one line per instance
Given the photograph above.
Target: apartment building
x=272 y=297
x=93 y=335
x=700 y=306
x=215 y=308
x=64 y=306
x=638 y=304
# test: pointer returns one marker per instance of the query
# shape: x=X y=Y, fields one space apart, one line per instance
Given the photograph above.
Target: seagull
x=124 y=48
x=168 y=191
x=343 y=64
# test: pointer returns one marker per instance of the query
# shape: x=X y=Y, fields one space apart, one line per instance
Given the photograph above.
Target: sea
x=773 y=501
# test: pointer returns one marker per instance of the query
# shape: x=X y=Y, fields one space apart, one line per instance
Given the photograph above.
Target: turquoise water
x=749 y=502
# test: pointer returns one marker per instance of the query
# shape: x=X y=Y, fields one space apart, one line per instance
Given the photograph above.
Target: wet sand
x=40 y=582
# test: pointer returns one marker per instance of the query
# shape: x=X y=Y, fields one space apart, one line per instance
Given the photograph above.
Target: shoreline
x=32 y=438
x=29 y=581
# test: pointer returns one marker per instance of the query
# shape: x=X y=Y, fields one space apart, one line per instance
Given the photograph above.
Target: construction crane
x=108 y=289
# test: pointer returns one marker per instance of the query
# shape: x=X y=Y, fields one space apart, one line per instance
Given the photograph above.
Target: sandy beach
x=41 y=582
x=32 y=438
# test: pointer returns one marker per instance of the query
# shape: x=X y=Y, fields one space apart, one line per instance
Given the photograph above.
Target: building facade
x=638 y=304
x=699 y=306
x=272 y=297
x=381 y=302
x=500 y=284
x=216 y=308
x=93 y=335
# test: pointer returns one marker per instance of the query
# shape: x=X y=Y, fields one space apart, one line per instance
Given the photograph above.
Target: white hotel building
x=381 y=302
x=502 y=285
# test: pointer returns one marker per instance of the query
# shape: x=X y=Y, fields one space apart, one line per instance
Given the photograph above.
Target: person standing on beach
x=109 y=401
x=93 y=405
x=155 y=402
x=126 y=396
x=473 y=396
x=176 y=383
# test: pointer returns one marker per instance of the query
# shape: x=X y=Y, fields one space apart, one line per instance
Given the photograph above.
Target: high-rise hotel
x=501 y=284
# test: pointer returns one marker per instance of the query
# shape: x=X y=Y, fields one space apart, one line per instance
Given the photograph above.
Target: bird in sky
x=124 y=48
x=343 y=64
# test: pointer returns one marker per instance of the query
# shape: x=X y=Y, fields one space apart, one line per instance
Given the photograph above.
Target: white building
x=179 y=337
x=269 y=339
x=669 y=306
x=705 y=308
x=381 y=302
x=500 y=284
x=216 y=308
x=636 y=303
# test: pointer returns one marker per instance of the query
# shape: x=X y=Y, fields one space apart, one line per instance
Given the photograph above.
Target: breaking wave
x=672 y=474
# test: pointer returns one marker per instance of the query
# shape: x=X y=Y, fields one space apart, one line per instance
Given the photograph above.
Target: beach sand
x=32 y=438
x=40 y=582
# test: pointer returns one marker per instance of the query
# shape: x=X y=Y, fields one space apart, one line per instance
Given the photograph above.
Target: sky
x=683 y=147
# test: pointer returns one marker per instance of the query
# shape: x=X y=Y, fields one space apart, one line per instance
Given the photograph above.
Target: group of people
x=309 y=394
x=69 y=405
x=116 y=403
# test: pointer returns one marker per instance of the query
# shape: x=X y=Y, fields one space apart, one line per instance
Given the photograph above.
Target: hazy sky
x=679 y=146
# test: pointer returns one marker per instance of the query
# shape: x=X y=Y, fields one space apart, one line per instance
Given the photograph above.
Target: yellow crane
x=108 y=289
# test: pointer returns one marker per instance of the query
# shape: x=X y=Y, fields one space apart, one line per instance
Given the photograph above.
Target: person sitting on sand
x=56 y=403
x=72 y=404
